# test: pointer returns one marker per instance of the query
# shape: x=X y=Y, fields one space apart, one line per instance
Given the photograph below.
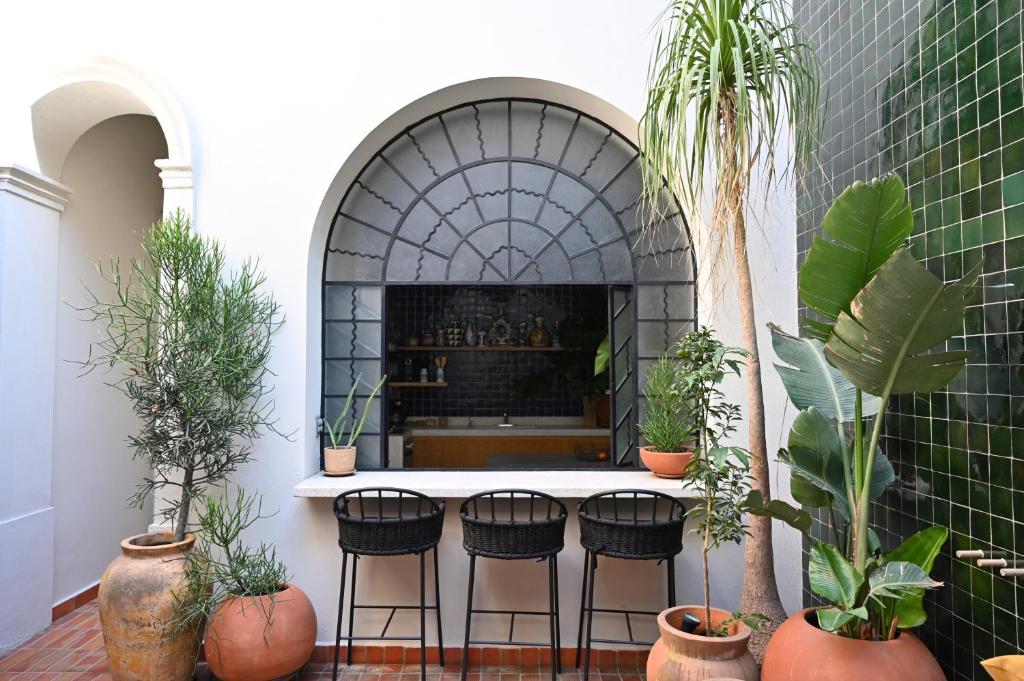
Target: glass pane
x=352 y=339
x=333 y=408
x=344 y=302
x=339 y=375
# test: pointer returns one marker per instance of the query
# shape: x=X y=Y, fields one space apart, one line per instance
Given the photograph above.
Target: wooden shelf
x=417 y=384
x=476 y=348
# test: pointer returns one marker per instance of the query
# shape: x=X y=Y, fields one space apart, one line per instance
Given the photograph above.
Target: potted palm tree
x=193 y=343
x=340 y=457
x=880 y=321
x=700 y=641
x=667 y=424
x=259 y=626
x=727 y=80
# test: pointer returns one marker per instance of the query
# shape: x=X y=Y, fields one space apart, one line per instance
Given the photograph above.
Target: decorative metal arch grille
x=501 y=191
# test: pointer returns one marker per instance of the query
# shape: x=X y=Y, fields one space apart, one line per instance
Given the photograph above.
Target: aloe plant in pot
x=340 y=457
x=881 y=321
x=699 y=641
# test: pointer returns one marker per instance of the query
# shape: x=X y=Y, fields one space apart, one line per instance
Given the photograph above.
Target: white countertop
x=513 y=431
x=459 y=484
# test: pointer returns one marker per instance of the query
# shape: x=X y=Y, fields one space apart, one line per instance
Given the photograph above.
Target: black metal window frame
x=634 y=282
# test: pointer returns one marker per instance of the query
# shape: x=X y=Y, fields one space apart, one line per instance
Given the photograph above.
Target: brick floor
x=73 y=649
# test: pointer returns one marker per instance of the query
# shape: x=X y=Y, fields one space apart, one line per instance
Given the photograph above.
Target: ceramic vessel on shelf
x=471 y=336
x=428 y=338
x=539 y=336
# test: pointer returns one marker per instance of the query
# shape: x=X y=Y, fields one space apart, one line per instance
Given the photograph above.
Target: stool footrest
x=541 y=644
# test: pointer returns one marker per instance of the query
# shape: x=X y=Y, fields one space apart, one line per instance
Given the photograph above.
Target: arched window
x=504 y=192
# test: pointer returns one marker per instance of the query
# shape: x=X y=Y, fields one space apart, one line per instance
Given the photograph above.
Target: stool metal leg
x=437 y=603
x=423 y=617
x=590 y=615
x=352 y=609
x=583 y=606
x=469 y=616
x=671 y=581
x=341 y=611
x=558 y=619
x=551 y=617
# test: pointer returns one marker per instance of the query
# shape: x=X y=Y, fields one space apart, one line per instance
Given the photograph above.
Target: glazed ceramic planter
x=800 y=651
x=678 y=656
x=339 y=460
x=136 y=600
x=259 y=638
x=665 y=464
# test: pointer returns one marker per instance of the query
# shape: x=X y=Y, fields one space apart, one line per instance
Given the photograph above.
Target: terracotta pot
x=678 y=656
x=242 y=644
x=136 y=600
x=665 y=464
x=603 y=411
x=800 y=651
x=339 y=460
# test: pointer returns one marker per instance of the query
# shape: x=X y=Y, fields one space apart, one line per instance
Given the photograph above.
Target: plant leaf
x=833 y=619
x=904 y=312
x=811 y=381
x=794 y=517
x=832 y=576
x=867 y=223
x=807 y=493
x=896 y=578
x=921 y=549
x=602 y=356
x=816 y=455
x=882 y=474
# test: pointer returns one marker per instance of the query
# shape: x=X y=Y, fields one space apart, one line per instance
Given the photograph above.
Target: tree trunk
x=182 y=520
x=760 y=591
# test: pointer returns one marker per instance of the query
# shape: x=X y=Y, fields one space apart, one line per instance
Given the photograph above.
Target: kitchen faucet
x=504 y=420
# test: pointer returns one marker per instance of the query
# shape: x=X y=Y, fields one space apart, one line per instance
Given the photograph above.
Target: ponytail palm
x=727 y=80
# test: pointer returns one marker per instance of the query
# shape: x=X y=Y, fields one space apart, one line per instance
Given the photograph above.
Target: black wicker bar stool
x=514 y=524
x=387 y=521
x=633 y=524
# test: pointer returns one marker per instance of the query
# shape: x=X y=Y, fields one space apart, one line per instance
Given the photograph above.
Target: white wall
x=276 y=103
x=117 y=196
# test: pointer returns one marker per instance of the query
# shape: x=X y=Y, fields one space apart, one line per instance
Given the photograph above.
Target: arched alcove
x=511 y=189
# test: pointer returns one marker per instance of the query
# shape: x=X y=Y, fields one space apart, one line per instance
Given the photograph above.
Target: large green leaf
x=896 y=578
x=812 y=382
x=794 y=517
x=806 y=492
x=866 y=223
x=832 y=576
x=816 y=455
x=921 y=549
x=882 y=473
x=904 y=312
x=831 y=619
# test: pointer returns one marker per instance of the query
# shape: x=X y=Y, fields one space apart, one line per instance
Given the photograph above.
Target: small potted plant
x=667 y=425
x=699 y=641
x=258 y=626
x=340 y=457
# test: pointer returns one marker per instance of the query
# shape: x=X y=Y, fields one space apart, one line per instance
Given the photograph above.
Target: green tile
x=1013 y=158
x=988 y=49
x=991 y=167
x=1011 y=95
x=1009 y=35
x=970 y=205
x=990 y=138
x=1010 y=65
x=986 y=19
x=1013 y=126
x=1014 y=221
x=988 y=108
x=1013 y=189
x=992 y=227
x=991 y=198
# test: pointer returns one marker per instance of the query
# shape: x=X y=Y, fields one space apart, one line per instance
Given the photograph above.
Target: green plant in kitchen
x=336 y=431
x=258 y=625
x=668 y=421
x=881 y=319
x=194 y=342
x=728 y=81
x=719 y=474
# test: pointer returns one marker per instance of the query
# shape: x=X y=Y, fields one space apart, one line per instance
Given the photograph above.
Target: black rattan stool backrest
x=387 y=521
x=512 y=524
x=632 y=523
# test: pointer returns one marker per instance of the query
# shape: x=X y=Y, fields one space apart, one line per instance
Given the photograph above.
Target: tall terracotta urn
x=260 y=638
x=678 y=656
x=800 y=651
x=136 y=602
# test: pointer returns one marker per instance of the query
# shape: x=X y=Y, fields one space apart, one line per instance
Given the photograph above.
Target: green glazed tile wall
x=932 y=90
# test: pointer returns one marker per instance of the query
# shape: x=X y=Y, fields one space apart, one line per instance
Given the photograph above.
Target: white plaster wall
x=276 y=103
x=117 y=196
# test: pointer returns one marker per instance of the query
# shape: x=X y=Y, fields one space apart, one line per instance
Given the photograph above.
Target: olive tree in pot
x=259 y=626
x=699 y=641
x=667 y=424
x=881 y=321
x=193 y=343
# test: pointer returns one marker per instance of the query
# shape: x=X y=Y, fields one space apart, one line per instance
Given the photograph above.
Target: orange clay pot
x=242 y=644
x=665 y=464
x=800 y=651
x=136 y=600
x=678 y=656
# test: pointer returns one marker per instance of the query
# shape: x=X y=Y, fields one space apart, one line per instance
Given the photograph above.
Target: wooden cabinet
x=472 y=451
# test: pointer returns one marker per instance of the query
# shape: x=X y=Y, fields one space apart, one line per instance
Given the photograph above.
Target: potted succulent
x=340 y=457
x=667 y=424
x=699 y=641
x=193 y=343
x=259 y=626
x=880 y=316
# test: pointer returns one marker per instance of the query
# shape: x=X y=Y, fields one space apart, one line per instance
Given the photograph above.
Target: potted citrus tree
x=259 y=626
x=701 y=641
x=192 y=342
x=881 y=319
x=340 y=457
x=667 y=423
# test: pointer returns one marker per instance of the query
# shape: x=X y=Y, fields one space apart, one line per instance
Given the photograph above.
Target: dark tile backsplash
x=485 y=383
x=933 y=91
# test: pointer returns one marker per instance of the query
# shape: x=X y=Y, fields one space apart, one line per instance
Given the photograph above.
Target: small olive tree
x=193 y=342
